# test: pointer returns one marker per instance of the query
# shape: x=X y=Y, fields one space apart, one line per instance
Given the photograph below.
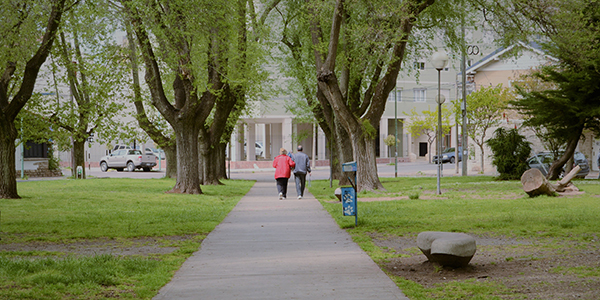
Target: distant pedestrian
x=302 y=167
x=283 y=165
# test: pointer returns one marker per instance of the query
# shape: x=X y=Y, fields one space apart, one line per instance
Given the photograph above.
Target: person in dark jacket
x=283 y=165
x=302 y=167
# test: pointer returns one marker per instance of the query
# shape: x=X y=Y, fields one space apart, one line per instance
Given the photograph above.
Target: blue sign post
x=349 y=194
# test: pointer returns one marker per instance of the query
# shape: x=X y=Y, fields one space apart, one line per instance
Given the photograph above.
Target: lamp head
x=440 y=99
x=439 y=60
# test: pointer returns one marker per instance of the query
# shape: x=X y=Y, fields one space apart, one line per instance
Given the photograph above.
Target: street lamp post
x=439 y=60
x=395 y=133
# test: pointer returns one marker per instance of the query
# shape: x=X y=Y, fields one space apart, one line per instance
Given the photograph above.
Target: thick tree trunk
x=366 y=162
x=207 y=164
x=188 y=178
x=79 y=157
x=221 y=161
x=8 y=179
x=171 y=158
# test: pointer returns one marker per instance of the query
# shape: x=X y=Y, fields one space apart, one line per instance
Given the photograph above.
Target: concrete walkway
x=271 y=249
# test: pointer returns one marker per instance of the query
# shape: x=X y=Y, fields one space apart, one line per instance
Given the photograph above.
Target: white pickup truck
x=128 y=158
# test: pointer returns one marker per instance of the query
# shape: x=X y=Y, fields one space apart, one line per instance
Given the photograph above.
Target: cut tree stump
x=535 y=183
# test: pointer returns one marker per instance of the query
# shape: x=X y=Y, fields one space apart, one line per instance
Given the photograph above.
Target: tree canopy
x=567 y=30
x=486 y=107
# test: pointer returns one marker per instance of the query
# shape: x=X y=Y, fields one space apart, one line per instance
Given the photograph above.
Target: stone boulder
x=452 y=249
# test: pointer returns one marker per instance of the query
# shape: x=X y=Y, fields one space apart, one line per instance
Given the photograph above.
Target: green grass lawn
x=474 y=205
x=118 y=210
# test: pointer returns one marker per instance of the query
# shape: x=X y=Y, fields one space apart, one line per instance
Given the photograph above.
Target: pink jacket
x=283 y=165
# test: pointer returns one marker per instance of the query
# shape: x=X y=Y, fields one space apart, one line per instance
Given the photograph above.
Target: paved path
x=271 y=249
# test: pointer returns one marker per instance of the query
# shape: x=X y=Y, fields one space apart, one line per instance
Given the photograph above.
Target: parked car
x=543 y=160
x=258 y=149
x=448 y=155
x=128 y=158
x=157 y=152
x=119 y=147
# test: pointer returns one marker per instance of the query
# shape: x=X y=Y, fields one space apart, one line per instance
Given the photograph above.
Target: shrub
x=510 y=151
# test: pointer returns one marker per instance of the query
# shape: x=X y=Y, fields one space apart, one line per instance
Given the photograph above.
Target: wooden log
x=562 y=184
x=535 y=184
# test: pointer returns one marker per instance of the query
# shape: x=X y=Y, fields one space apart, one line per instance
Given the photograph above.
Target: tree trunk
x=343 y=153
x=8 y=175
x=10 y=109
x=557 y=166
x=221 y=161
x=482 y=157
x=429 y=152
x=209 y=164
x=79 y=157
x=171 y=159
x=366 y=163
x=188 y=178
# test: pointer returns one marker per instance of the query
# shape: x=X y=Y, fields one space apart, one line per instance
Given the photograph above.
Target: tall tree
x=28 y=33
x=153 y=128
x=486 y=107
x=300 y=65
x=193 y=44
x=360 y=114
x=244 y=74
x=88 y=61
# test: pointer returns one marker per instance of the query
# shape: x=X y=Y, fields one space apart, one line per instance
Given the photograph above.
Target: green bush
x=510 y=151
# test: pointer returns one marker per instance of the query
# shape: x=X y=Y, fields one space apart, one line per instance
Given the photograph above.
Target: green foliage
x=485 y=108
x=568 y=32
x=572 y=105
x=391 y=141
x=510 y=151
x=426 y=122
x=368 y=129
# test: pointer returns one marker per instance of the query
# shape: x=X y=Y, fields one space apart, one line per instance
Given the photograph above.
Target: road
x=420 y=168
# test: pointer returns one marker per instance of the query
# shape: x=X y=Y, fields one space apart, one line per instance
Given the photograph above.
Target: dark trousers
x=300 y=183
x=282 y=186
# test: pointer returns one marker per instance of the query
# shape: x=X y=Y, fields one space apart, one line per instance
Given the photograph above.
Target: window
x=419 y=65
x=419 y=95
x=397 y=96
x=35 y=150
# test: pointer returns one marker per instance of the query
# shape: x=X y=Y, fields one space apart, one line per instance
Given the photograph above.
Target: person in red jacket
x=283 y=165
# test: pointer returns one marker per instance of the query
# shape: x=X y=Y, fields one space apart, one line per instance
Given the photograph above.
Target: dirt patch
x=146 y=246
x=530 y=269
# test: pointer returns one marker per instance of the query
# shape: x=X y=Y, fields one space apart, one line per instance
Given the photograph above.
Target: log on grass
x=565 y=183
x=535 y=184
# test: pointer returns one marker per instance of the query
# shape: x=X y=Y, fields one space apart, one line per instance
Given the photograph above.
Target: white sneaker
x=280 y=196
x=299 y=197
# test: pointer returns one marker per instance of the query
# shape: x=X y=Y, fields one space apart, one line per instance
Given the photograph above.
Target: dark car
x=543 y=160
x=448 y=155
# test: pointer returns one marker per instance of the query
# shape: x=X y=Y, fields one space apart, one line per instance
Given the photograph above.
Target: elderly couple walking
x=284 y=164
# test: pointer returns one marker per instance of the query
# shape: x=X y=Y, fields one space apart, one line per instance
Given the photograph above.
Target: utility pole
x=463 y=69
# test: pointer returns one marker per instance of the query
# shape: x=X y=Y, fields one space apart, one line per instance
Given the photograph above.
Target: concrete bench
x=452 y=249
